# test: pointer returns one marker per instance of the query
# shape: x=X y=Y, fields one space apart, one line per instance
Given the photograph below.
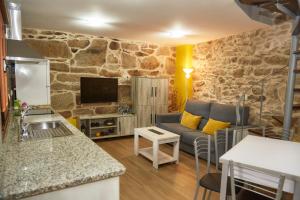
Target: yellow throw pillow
x=189 y=120
x=213 y=125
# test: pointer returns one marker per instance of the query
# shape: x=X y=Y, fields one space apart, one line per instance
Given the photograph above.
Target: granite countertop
x=39 y=166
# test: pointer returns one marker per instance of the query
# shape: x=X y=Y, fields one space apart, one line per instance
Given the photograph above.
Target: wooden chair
x=251 y=191
x=210 y=181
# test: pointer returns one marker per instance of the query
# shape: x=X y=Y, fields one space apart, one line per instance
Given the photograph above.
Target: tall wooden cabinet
x=150 y=97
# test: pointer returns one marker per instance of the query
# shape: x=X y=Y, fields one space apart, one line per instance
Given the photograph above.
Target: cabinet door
x=143 y=91
x=127 y=125
x=32 y=83
x=161 y=88
x=144 y=116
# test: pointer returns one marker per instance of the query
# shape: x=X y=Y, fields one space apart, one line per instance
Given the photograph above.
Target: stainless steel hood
x=14 y=30
x=18 y=50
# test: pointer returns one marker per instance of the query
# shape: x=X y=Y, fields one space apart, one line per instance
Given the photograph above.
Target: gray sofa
x=221 y=112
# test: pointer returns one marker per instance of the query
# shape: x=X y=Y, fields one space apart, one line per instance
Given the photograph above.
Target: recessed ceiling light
x=95 y=22
x=177 y=33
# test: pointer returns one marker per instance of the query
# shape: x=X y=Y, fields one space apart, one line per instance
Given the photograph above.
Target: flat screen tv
x=97 y=90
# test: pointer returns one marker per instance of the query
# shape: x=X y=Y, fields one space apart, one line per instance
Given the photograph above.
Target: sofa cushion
x=214 y=125
x=168 y=118
x=190 y=121
x=199 y=108
x=227 y=113
x=189 y=137
x=175 y=128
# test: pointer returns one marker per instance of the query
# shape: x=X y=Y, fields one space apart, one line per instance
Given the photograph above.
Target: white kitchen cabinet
x=33 y=82
x=107 y=189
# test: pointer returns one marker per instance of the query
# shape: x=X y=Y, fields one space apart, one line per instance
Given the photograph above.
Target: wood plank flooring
x=142 y=182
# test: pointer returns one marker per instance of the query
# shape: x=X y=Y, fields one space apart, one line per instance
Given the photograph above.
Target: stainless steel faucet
x=23 y=125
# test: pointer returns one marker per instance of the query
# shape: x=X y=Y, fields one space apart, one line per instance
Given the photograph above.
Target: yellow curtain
x=183 y=86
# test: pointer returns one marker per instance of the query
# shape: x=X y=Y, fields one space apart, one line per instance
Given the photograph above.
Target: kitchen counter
x=38 y=166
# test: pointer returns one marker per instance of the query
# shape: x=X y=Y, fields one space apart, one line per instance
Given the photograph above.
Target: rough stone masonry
x=227 y=67
x=75 y=55
x=224 y=68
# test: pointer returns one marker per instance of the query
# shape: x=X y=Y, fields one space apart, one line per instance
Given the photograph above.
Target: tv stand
x=107 y=125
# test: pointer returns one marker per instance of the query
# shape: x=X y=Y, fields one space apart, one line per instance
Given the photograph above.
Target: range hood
x=18 y=50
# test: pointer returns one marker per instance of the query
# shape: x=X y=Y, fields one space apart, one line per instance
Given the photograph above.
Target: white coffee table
x=153 y=153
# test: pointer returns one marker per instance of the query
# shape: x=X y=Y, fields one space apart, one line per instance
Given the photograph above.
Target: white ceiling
x=144 y=20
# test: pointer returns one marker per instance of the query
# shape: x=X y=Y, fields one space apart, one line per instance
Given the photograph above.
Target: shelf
x=103 y=116
x=103 y=127
x=162 y=157
x=120 y=124
x=105 y=136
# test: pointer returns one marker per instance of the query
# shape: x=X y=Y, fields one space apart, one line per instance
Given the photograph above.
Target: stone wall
x=226 y=67
x=74 y=55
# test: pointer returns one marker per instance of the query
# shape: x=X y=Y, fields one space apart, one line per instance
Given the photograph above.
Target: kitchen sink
x=45 y=130
x=40 y=111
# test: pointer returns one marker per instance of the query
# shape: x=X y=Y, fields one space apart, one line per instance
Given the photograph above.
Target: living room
x=113 y=77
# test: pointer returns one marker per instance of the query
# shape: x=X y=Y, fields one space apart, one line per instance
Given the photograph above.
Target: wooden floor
x=142 y=182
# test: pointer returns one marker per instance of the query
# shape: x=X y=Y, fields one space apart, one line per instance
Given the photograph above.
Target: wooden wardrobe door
x=161 y=88
x=144 y=116
x=143 y=91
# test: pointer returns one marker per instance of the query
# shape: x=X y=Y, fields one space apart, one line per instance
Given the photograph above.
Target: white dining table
x=282 y=157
